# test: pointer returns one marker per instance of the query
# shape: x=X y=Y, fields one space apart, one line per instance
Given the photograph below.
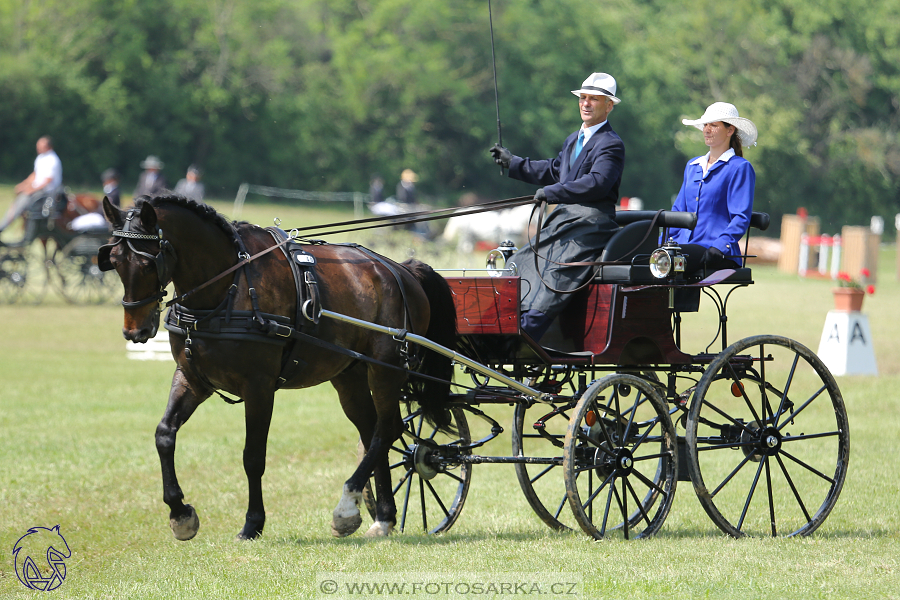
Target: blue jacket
x=593 y=179
x=723 y=201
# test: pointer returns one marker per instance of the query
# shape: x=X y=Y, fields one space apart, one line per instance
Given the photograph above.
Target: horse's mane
x=204 y=211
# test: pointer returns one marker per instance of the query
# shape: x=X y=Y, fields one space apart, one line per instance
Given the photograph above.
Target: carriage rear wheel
x=620 y=459
x=429 y=487
x=768 y=439
x=538 y=432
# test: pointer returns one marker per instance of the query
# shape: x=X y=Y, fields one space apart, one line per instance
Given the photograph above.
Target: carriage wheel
x=37 y=284
x=13 y=274
x=620 y=459
x=81 y=281
x=768 y=439
x=543 y=484
x=429 y=488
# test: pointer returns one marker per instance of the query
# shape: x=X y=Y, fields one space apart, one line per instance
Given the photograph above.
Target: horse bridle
x=164 y=260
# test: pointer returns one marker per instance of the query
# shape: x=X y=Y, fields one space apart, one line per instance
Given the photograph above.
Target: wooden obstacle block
x=156 y=348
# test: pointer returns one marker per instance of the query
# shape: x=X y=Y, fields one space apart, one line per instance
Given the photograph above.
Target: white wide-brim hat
x=599 y=84
x=727 y=113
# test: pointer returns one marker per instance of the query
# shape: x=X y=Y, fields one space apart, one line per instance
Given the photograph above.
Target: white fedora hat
x=727 y=113
x=599 y=84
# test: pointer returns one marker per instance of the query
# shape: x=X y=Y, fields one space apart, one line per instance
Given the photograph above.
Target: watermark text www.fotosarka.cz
x=447 y=584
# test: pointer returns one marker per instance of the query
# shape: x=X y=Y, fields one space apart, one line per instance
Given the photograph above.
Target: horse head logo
x=40 y=558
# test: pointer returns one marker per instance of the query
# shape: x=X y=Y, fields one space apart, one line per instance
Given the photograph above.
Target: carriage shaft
x=402 y=335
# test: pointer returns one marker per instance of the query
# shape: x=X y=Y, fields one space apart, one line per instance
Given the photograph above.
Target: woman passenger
x=718 y=187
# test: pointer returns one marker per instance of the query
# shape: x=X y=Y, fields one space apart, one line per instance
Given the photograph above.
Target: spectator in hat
x=583 y=180
x=718 y=187
x=45 y=180
x=151 y=182
x=190 y=186
x=406 y=189
x=110 y=179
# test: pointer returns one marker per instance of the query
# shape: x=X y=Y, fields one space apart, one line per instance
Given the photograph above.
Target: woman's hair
x=735 y=142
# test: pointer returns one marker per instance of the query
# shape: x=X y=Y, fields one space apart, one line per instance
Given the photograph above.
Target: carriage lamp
x=504 y=251
x=666 y=260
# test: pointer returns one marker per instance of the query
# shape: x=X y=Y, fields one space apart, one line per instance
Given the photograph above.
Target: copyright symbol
x=329 y=586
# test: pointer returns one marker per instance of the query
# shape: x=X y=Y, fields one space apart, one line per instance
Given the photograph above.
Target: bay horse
x=171 y=238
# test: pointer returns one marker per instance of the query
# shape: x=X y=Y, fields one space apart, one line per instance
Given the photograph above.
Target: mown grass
x=76 y=449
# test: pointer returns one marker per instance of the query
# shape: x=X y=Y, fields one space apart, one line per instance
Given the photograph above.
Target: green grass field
x=76 y=449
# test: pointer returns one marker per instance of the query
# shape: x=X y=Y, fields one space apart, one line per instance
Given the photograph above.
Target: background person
x=583 y=180
x=719 y=188
x=151 y=182
x=45 y=180
x=110 y=179
x=190 y=186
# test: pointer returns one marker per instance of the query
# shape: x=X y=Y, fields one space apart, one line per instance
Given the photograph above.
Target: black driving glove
x=501 y=155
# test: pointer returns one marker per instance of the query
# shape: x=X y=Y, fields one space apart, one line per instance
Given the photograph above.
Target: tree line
x=322 y=94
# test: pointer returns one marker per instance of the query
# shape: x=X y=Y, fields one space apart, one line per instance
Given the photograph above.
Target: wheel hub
x=422 y=461
x=761 y=442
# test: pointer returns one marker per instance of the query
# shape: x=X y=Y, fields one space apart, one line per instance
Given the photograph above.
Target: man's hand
x=501 y=155
x=712 y=256
x=540 y=196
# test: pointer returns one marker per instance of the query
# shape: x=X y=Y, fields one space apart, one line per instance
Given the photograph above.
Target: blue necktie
x=577 y=150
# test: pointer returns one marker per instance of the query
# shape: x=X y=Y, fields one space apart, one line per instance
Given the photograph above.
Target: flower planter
x=848 y=299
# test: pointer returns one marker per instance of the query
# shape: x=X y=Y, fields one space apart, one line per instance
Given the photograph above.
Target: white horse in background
x=492 y=226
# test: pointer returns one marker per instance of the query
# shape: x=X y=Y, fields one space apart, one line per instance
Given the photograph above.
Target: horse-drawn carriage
x=610 y=413
x=51 y=254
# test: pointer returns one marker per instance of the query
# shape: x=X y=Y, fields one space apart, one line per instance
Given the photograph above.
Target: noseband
x=164 y=260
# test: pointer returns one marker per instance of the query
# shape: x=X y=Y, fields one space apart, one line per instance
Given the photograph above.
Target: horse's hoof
x=186 y=526
x=379 y=529
x=344 y=526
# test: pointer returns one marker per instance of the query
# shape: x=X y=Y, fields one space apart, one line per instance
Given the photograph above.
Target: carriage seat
x=632 y=243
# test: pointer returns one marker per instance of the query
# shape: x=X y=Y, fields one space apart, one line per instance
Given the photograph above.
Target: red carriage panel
x=486 y=305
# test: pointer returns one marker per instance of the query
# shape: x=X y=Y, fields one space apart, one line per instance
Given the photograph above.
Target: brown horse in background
x=170 y=238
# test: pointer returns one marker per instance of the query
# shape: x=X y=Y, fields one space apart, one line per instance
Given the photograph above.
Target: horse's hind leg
x=183 y=400
x=377 y=430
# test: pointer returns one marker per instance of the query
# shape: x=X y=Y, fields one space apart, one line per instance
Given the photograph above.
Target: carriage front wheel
x=767 y=438
x=429 y=487
x=619 y=459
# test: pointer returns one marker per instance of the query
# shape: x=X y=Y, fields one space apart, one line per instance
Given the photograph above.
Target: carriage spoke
x=606 y=511
x=649 y=483
x=453 y=476
x=771 y=499
x=599 y=489
x=541 y=474
x=730 y=475
x=424 y=508
x=740 y=523
x=638 y=502
x=807 y=467
x=406 y=499
x=803 y=406
x=811 y=436
x=402 y=480
x=438 y=498
x=787 y=387
x=743 y=391
x=727 y=416
x=790 y=481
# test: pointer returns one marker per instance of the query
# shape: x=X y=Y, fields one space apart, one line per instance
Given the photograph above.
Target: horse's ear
x=113 y=214
x=148 y=217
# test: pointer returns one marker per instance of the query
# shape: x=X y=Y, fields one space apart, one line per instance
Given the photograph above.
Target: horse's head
x=144 y=261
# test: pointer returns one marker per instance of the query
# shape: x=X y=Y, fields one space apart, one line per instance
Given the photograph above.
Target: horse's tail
x=433 y=396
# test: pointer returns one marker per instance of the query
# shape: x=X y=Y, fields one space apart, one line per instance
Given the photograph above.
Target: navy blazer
x=593 y=179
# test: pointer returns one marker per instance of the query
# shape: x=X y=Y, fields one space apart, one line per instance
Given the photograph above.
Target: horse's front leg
x=183 y=401
x=258 y=417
